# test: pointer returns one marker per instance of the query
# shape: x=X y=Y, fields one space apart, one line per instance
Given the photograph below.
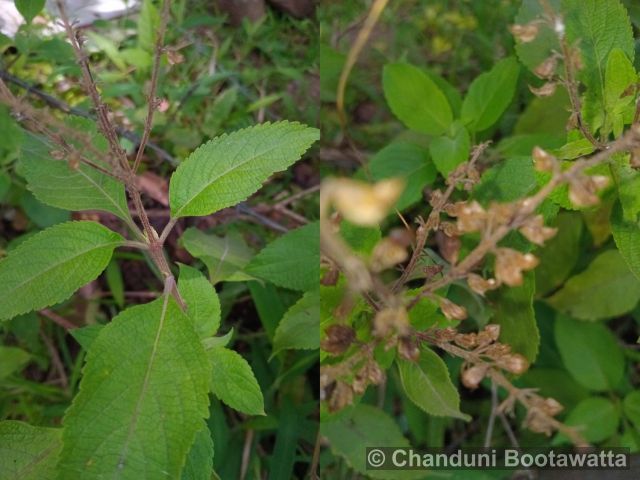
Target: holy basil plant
x=144 y=394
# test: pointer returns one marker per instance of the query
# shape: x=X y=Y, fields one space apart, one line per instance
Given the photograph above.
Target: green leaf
x=51 y=265
x=489 y=95
x=545 y=117
x=627 y=237
x=425 y=314
x=12 y=136
x=618 y=106
x=427 y=384
x=560 y=254
x=450 y=150
x=115 y=282
x=215 y=342
x=597 y=27
x=360 y=239
x=292 y=261
x=350 y=432
x=628 y=183
x=203 y=305
x=230 y=168
x=415 y=99
x=107 y=46
x=507 y=181
x=142 y=397
x=29 y=8
x=606 y=289
x=233 y=381
x=44 y=216
x=12 y=359
x=200 y=458
x=300 y=326
x=27 y=452
x=148 y=22
x=225 y=257
x=84 y=188
x=631 y=406
x=596 y=419
x=290 y=423
x=514 y=313
x=85 y=336
x=590 y=352
x=408 y=161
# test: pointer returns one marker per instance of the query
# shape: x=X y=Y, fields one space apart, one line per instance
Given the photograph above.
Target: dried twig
x=64 y=107
x=152 y=101
x=433 y=220
x=526 y=207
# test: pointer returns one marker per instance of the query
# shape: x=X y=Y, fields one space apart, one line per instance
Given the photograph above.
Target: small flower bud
x=479 y=284
x=451 y=310
x=466 y=340
x=514 y=363
x=472 y=376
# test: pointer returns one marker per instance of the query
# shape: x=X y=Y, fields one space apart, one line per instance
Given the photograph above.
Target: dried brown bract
x=391 y=320
x=472 y=376
x=547 y=69
x=511 y=263
x=525 y=33
x=362 y=203
x=535 y=231
x=543 y=161
x=471 y=216
x=583 y=189
x=481 y=285
x=451 y=310
x=338 y=339
x=408 y=349
x=449 y=246
x=386 y=254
